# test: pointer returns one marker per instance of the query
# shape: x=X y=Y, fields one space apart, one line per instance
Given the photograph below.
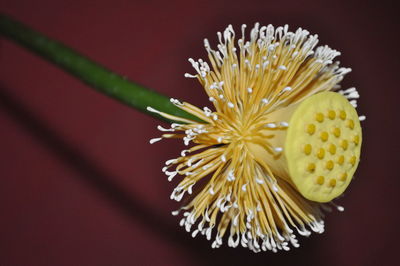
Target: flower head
x=276 y=147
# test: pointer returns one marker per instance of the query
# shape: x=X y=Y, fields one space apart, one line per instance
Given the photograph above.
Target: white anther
x=207 y=111
x=223 y=158
x=194 y=233
x=230 y=105
x=205 y=167
x=171 y=175
x=154 y=140
x=208 y=233
x=284 y=124
x=211 y=99
x=362 y=117
x=278 y=149
x=354 y=103
x=211 y=191
x=271 y=125
x=249 y=90
x=182 y=221
x=164 y=129
x=171 y=161
x=190 y=191
x=231 y=176
x=183 y=153
x=198 y=163
x=265 y=101
x=244 y=187
x=219 y=139
x=282 y=67
x=259 y=180
x=187 y=75
x=235 y=220
x=175 y=125
x=151 y=109
x=175 y=101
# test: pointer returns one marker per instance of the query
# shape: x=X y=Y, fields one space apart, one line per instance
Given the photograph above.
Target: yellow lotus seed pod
x=323 y=122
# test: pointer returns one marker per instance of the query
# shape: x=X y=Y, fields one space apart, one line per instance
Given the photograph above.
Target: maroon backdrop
x=80 y=185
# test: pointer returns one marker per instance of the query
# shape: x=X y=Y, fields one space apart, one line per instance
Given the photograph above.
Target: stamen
x=187 y=75
x=237 y=153
x=154 y=140
x=223 y=158
x=164 y=129
x=271 y=125
x=284 y=124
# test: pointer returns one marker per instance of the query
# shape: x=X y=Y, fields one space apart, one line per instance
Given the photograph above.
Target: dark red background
x=80 y=185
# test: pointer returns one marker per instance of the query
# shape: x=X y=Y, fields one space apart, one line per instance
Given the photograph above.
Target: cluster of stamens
x=240 y=195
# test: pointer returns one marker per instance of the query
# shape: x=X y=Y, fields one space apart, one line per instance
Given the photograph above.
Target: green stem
x=88 y=71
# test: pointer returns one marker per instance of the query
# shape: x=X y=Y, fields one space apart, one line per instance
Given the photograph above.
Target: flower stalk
x=88 y=71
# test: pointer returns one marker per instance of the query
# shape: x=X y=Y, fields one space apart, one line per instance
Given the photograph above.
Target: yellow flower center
x=308 y=171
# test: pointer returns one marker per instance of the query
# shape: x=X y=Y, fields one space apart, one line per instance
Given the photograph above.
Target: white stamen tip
x=187 y=75
x=284 y=124
x=259 y=181
x=151 y=109
x=249 y=90
x=211 y=191
x=271 y=125
x=223 y=158
x=164 y=129
x=231 y=105
x=287 y=89
x=183 y=153
x=362 y=117
x=278 y=149
x=155 y=140
x=265 y=101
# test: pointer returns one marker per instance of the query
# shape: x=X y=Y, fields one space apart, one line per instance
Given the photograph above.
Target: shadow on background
x=131 y=206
